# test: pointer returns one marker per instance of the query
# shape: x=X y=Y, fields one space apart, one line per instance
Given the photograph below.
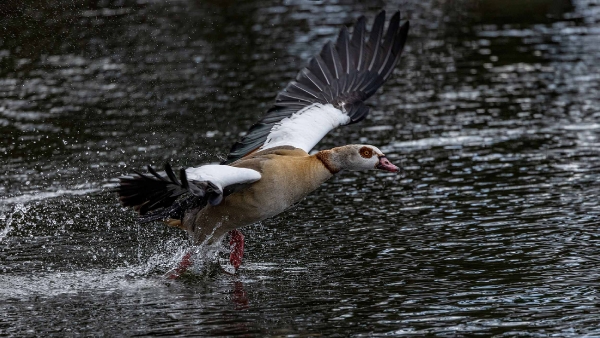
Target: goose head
x=356 y=157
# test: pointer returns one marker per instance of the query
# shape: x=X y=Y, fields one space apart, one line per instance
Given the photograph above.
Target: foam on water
x=153 y=273
x=42 y=195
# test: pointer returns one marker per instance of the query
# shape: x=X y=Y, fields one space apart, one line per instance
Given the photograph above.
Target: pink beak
x=385 y=164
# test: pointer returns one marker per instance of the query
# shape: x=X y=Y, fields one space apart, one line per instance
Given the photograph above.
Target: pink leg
x=185 y=263
x=236 y=245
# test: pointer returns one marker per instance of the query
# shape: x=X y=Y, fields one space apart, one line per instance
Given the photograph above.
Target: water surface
x=492 y=230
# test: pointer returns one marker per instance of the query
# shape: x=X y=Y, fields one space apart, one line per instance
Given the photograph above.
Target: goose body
x=270 y=169
x=268 y=197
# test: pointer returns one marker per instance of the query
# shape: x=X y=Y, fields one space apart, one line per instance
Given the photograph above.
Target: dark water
x=494 y=114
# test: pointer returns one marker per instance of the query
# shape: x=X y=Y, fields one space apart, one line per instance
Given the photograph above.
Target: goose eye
x=366 y=152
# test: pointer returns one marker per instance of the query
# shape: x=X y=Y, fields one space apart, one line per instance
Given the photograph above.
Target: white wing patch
x=305 y=128
x=222 y=175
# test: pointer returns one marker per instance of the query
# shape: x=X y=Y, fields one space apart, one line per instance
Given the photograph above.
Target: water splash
x=8 y=218
x=26 y=198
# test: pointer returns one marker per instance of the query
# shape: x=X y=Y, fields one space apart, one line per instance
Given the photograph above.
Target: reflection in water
x=493 y=114
x=239 y=296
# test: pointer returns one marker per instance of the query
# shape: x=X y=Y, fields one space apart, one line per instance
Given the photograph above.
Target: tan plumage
x=288 y=175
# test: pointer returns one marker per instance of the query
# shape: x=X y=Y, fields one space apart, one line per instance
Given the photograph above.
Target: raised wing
x=166 y=197
x=329 y=92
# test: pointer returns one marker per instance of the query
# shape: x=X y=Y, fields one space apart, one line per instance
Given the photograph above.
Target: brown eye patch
x=366 y=152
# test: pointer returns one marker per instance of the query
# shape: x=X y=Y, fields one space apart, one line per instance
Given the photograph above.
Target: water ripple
x=491 y=230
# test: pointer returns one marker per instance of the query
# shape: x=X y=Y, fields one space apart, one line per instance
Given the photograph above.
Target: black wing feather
x=165 y=196
x=310 y=79
x=343 y=74
x=358 y=42
x=343 y=48
x=388 y=42
x=375 y=39
x=171 y=174
x=396 y=50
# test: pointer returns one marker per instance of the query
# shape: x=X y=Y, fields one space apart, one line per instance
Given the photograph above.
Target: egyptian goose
x=270 y=168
